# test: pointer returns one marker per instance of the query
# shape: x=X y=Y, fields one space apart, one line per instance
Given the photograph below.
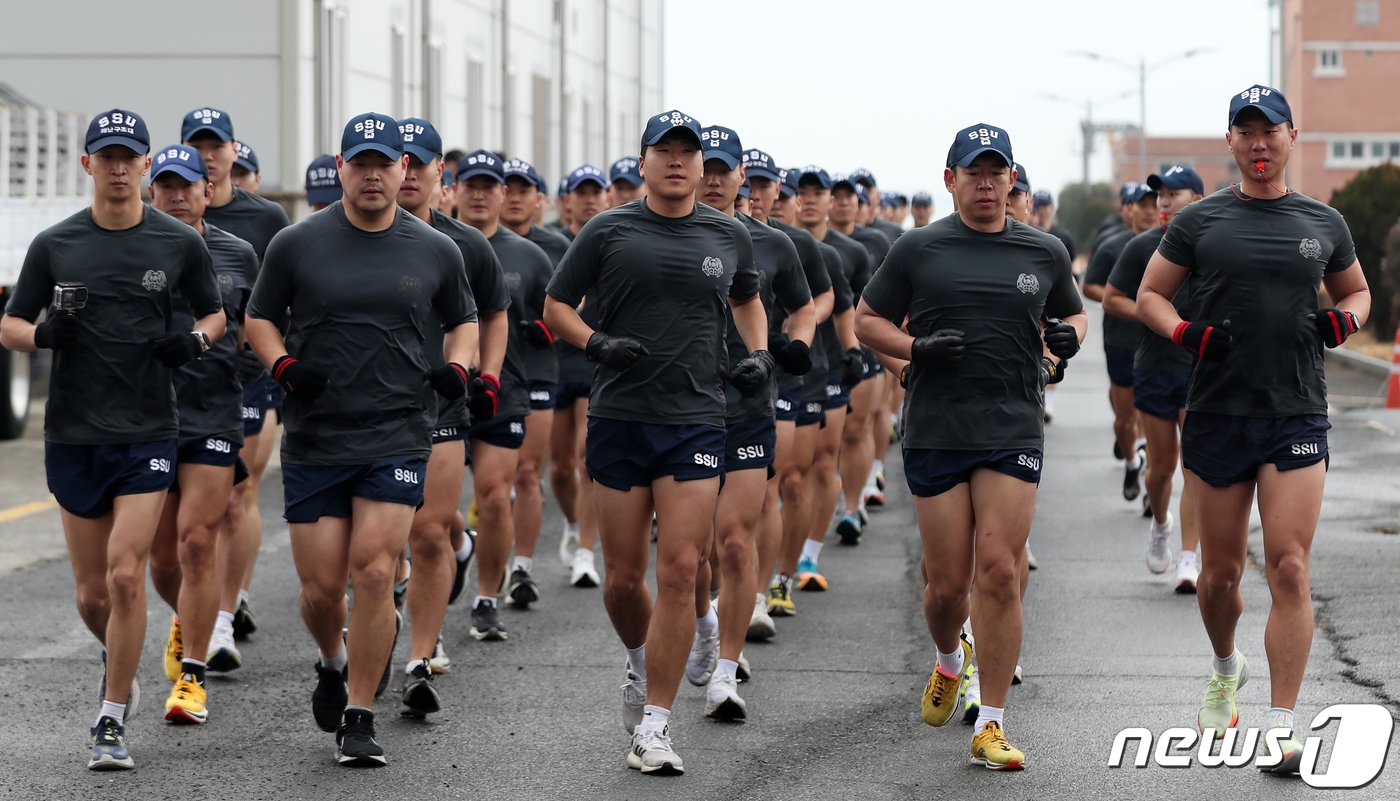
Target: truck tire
x=15 y=383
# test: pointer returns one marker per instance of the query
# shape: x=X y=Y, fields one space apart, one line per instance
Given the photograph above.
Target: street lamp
x=1141 y=68
x=1086 y=126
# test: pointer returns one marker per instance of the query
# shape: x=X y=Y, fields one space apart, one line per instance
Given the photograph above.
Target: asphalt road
x=834 y=705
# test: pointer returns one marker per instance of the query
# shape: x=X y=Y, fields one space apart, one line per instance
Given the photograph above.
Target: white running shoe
x=761 y=625
x=1188 y=571
x=1031 y=561
x=722 y=701
x=440 y=662
x=704 y=655
x=634 y=701
x=651 y=752
x=1017 y=677
x=568 y=543
x=223 y=655
x=1159 y=553
x=582 y=573
x=743 y=672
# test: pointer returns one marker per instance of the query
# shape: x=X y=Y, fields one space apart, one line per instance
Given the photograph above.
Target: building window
x=1329 y=63
x=1394 y=150
x=1368 y=12
x=1350 y=154
x=1339 y=150
x=1358 y=150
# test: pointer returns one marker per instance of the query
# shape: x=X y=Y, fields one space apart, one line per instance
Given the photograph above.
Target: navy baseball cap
x=563 y=186
x=863 y=195
x=787 y=183
x=975 y=140
x=625 y=170
x=921 y=199
x=661 y=124
x=1126 y=191
x=1140 y=192
x=864 y=177
x=1042 y=197
x=371 y=131
x=1023 y=181
x=520 y=168
x=814 y=172
x=481 y=162
x=420 y=139
x=758 y=164
x=322 y=181
x=207 y=119
x=1178 y=176
x=843 y=181
x=182 y=160
x=117 y=127
x=718 y=142
x=744 y=190
x=246 y=158
x=583 y=174
x=1268 y=100
x=448 y=179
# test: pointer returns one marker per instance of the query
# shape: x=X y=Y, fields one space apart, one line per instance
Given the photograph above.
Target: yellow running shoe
x=473 y=519
x=780 y=598
x=942 y=694
x=991 y=750
x=187 y=702
x=1218 y=709
x=174 y=650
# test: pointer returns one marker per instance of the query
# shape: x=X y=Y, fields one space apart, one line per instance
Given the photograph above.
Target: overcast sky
x=885 y=84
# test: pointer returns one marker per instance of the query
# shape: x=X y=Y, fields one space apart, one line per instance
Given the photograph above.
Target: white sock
x=1139 y=443
x=225 y=621
x=1228 y=666
x=490 y=599
x=878 y=466
x=468 y=548
x=336 y=662
x=524 y=563
x=637 y=660
x=1187 y=558
x=950 y=664
x=728 y=667
x=570 y=529
x=408 y=669
x=708 y=626
x=811 y=549
x=1278 y=718
x=1163 y=527
x=112 y=710
x=1135 y=463
x=654 y=718
x=989 y=714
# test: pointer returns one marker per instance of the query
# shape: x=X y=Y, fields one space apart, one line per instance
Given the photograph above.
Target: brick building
x=1207 y=155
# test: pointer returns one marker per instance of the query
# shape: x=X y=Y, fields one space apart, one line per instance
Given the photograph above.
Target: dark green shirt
x=1154 y=353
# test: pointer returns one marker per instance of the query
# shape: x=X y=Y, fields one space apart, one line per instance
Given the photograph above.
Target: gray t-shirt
x=486 y=288
x=110 y=389
x=818 y=281
x=665 y=283
x=542 y=364
x=1117 y=332
x=359 y=306
x=208 y=391
x=1154 y=353
x=997 y=288
x=1259 y=263
x=255 y=220
x=527 y=273
x=574 y=367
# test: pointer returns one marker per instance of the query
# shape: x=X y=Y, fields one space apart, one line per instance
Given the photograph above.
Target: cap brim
x=663 y=134
x=375 y=147
x=573 y=185
x=134 y=145
x=247 y=165
x=180 y=170
x=474 y=172
x=1269 y=114
x=224 y=136
x=629 y=178
x=966 y=161
x=787 y=191
x=1155 y=182
x=423 y=154
x=848 y=184
x=761 y=172
x=727 y=159
x=815 y=177
x=1023 y=186
x=321 y=195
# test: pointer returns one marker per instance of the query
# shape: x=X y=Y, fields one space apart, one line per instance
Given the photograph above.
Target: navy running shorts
x=213 y=451
x=871 y=364
x=448 y=434
x=838 y=395
x=621 y=454
x=1160 y=394
x=542 y=396
x=254 y=407
x=503 y=432
x=274 y=395
x=316 y=491
x=1120 y=365
x=934 y=471
x=1225 y=449
x=565 y=394
x=749 y=445
x=813 y=413
x=85 y=479
x=788 y=404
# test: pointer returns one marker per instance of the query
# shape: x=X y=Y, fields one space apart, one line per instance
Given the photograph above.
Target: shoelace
x=634 y=690
x=998 y=738
x=654 y=741
x=940 y=688
x=109 y=734
x=1217 y=689
x=184 y=688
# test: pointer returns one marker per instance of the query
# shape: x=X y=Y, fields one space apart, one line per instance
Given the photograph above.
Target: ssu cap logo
x=409 y=131
x=1254 y=93
x=984 y=135
x=172 y=153
x=675 y=118
x=117 y=122
x=206 y=115
x=368 y=127
x=713 y=138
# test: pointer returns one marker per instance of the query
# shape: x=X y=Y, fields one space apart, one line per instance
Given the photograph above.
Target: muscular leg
x=736 y=525
x=1002 y=508
x=945 y=532
x=493 y=472
x=203 y=500
x=826 y=482
x=321 y=553
x=770 y=523
x=529 y=501
x=1223 y=515
x=133 y=527
x=564 y=461
x=1125 y=425
x=378 y=532
x=795 y=487
x=587 y=508
x=243 y=521
x=165 y=552
x=1163 y=450
x=87 y=555
x=1289 y=504
x=429 y=540
x=626 y=535
x=857 y=452
x=685 y=517
x=1190 y=523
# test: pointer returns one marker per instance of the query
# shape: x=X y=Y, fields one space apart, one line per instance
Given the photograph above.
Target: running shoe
x=722 y=701
x=761 y=625
x=634 y=701
x=863 y=516
x=1218 y=710
x=459 y=579
x=872 y=496
x=880 y=479
x=991 y=750
x=174 y=650
x=1146 y=506
x=972 y=696
x=1132 y=478
x=329 y=698
x=188 y=701
x=523 y=589
x=224 y=655
x=1188 y=572
x=808 y=579
x=582 y=574
x=941 y=695
x=109 y=746
x=1292 y=756
x=440 y=662
x=473 y=516
x=133 y=696
x=486 y=622
x=1031 y=561
x=780 y=598
x=420 y=697
x=652 y=753
x=355 y=745
x=704 y=655
x=848 y=528
x=400 y=593
x=389 y=664
x=243 y=621
x=743 y=672
x=1016 y=676
x=1117 y=450
x=568 y=544
x=1159 y=553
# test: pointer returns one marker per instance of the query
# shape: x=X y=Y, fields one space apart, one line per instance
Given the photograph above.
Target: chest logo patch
x=153 y=280
x=513 y=280
x=712 y=266
x=1310 y=248
x=1028 y=283
x=410 y=285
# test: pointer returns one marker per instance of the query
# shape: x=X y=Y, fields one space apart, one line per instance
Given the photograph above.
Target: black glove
x=175 y=350
x=904 y=376
x=302 y=380
x=58 y=331
x=618 y=353
x=852 y=367
x=537 y=334
x=1334 y=325
x=1061 y=339
x=485 y=397
x=751 y=374
x=449 y=381
x=793 y=355
x=942 y=348
x=1207 y=340
x=1054 y=373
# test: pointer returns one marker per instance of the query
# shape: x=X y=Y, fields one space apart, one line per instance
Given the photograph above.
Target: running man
x=666 y=267
x=1255 y=255
x=921 y=209
x=355 y=283
x=974 y=289
x=625 y=182
x=247 y=172
x=875 y=198
x=105 y=277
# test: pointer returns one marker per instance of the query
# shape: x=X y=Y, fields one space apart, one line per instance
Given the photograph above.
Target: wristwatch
x=203 y=340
